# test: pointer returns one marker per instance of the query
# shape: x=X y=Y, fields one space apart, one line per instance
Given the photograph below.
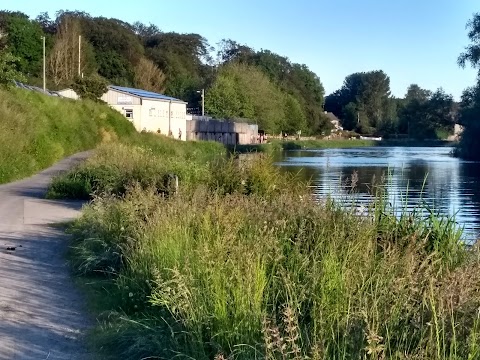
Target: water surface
x=448 y=185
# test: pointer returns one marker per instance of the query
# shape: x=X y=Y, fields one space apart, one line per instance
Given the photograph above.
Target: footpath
x=42 y=314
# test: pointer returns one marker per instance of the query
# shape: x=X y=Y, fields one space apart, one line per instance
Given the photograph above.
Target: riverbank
x=280 y=145
x=240 y=262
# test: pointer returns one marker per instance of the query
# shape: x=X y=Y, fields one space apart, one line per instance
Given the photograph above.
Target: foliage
x=23 y=40
x=181 y=57
x=8 y=69
x=188 y=277
x=469 y=147
x=148 y=76
x=470 y=105
x=363 y=102
x=90 y=87
x=242 y=91
x=295 y=119
x=424 y=113
x=142 y=161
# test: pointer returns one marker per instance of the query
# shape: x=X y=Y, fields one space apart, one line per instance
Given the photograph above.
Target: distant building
x=68 y=93
x=334 y=121
x=149 y=111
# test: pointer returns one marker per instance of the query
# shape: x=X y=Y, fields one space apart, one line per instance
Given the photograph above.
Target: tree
x=90 y=87
x=295 y=119
x=48 y=25
x=415 y=92
x=363 y=102
x=183 y=58
x=243 y=91
x=148 y=76
x=231 y=51
x=145 y=31
x=23 y=39
x=470 y=104
x=8 y=69
x=427 y=115
x=63 y=57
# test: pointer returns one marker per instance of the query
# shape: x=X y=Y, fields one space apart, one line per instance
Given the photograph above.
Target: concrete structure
x=149 y=111
x=226 y=132
x=68 y=93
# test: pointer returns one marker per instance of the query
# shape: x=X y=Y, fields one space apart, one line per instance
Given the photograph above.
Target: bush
x=90 y=87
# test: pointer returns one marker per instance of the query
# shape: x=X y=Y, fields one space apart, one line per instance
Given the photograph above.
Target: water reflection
x=430 y=174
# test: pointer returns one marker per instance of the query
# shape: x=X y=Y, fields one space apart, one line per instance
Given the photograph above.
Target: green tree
x=469 y=116
x=243 y=91
x=295 y=119
x=8 y=69
x=23 y=39
x=90 y=87
x=427 y=115
x=184 y=59
x=363 y=102
x=223 y=101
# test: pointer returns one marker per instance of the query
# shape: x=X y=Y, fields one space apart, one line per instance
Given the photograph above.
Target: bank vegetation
x=242 y=262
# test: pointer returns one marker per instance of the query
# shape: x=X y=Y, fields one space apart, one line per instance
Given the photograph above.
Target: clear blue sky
x=413 y=41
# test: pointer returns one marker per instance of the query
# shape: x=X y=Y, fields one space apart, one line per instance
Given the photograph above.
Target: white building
x=149 y=111
x=68 y=93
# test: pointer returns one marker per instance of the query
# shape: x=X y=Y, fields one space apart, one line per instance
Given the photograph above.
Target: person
x=179 y=134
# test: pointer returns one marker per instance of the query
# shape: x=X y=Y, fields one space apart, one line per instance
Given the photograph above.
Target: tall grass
x=38 y=130
x=244 y=265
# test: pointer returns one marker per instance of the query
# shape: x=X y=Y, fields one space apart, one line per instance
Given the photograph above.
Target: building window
x=129 y=114
x=151 y=112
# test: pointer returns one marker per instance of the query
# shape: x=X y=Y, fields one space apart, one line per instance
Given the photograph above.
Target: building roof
x=331 y=116
x=143 y=93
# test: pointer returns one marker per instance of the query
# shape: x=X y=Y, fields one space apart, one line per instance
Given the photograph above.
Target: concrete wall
x=228 y=133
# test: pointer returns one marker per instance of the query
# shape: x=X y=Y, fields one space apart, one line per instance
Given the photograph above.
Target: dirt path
x=41 y=313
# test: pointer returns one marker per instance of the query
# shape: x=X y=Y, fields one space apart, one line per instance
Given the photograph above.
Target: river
x=448 y=185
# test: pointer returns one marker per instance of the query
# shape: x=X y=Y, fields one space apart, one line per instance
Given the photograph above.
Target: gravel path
x=42 y=314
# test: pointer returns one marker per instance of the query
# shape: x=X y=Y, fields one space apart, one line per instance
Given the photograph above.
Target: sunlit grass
x=244 y=265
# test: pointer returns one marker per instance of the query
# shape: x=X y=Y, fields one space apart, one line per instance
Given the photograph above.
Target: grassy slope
x=37 y=130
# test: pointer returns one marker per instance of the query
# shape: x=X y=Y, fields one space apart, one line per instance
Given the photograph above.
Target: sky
x=413 y=41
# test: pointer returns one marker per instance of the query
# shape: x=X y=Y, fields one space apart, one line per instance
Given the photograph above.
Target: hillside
x=37 y=130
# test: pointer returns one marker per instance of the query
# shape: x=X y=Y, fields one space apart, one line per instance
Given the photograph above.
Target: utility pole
x=44 y=67
x=79 y=54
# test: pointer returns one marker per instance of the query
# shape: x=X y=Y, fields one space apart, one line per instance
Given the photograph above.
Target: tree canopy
x=470 y=103
x=239 y=81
